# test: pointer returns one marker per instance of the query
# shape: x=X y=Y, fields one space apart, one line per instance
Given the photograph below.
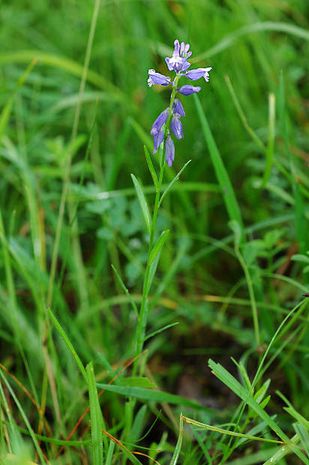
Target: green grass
x=153 y=315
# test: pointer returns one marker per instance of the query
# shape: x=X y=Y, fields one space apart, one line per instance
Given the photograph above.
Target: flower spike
x=169 y=121
x=178 y=62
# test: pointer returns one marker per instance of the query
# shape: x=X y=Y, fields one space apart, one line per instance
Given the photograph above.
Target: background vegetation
x=75 y=114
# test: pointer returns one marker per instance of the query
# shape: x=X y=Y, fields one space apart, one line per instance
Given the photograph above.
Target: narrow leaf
x=96 y=419
x=151 y=167
x=173 y=181
x=143 y=202
x=150 y=395
x=160 y=330
x=155 y=256
x=227 y=190
x=271 y=138
x=68 y=344
x=303 y=434
x=136 y=381
x=217 y=429
x=158 y=245
x=221 y=373
x=179 y=442
x=126 y=290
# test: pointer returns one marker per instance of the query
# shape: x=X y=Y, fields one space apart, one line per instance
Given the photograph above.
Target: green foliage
x=115 y=294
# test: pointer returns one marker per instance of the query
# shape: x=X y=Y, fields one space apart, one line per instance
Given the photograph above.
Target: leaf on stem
x=151 y=168
x=173 y=181
x=142 y=201
x=155 y=256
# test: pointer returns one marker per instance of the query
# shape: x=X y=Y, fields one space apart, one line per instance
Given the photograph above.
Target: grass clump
x=145 y=320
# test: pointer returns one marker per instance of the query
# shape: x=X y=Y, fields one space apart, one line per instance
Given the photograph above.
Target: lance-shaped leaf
x=142 y=201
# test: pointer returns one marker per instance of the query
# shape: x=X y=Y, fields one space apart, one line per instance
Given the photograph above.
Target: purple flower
x=157 y=125
x=169 y=122
x=157 y=140
x=157 y=78
x=178 y=62
x=195 y=74
x=178 y=108
x=169 y=151
x=188 y=90
x=176 y=127
x=156 y=131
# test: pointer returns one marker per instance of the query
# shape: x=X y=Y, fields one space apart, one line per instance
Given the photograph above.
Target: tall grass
x=209 y=364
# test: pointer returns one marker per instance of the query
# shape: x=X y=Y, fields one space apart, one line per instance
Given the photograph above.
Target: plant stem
x=143 y=315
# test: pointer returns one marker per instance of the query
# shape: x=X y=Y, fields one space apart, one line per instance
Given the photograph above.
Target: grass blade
x=221 y=373
x=126 y=290
x=25 y=419
x=303 y=434
x=96 y=419
x=221 y=173
x=150 y=395
x=179 y=442
x=217 y=429
x=68 y=344
x=271 y=138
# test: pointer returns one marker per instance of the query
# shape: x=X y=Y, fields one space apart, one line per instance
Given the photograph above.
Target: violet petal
x=169 y=151
x=157 y=140
x=176 y=127
x=157 y=125
x=188 y=90
x=178 y=109
x=157 y=78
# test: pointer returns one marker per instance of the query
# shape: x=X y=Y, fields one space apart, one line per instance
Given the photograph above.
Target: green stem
x=248 y=278
x=143 y=315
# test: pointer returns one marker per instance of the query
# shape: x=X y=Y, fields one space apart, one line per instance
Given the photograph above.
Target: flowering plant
x=169 y=121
